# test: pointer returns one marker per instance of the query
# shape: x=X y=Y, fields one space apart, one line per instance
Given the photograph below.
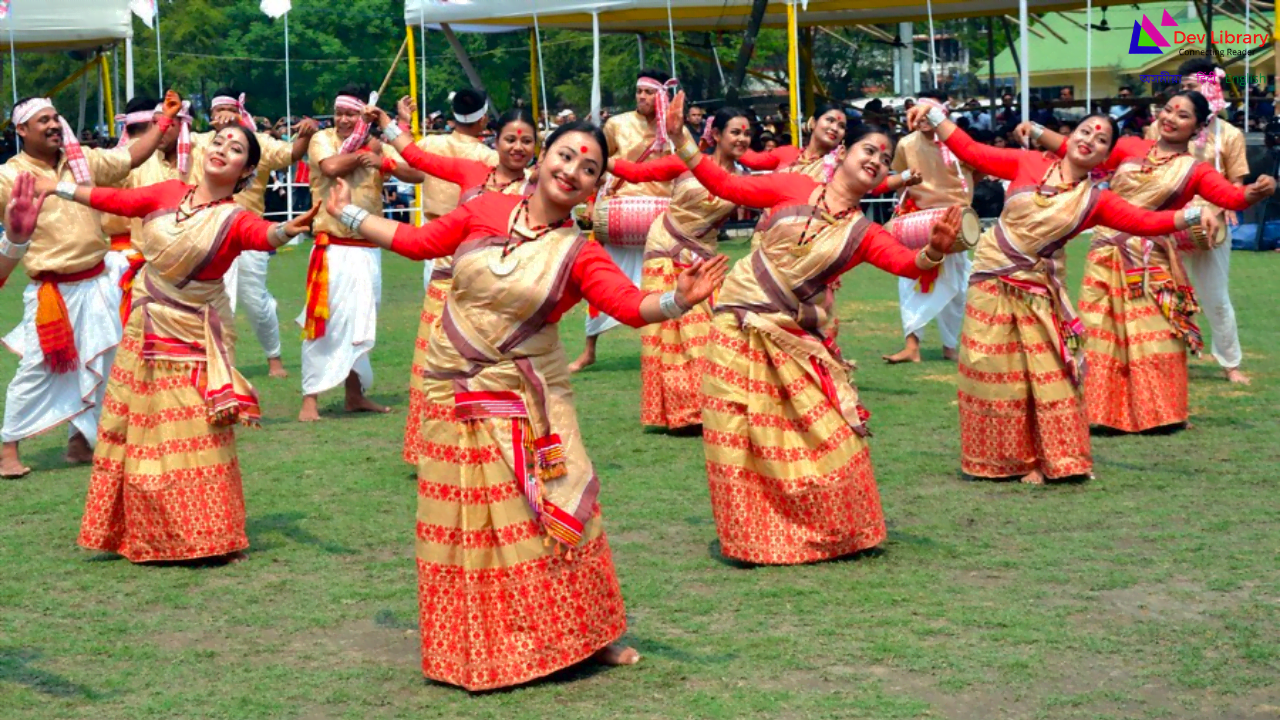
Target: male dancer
x=344 y=277
x=639 y=136
x=247 y=278
x=70 y=321
x=945 y=181
x=1223 y=146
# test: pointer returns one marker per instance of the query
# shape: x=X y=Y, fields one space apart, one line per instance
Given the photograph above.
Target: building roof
x=1049 y=55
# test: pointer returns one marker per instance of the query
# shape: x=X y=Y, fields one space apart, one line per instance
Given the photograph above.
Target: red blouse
x=664 y=169
x=777 y=190
x=1027 y=168
x=594 y=276
x=464 y=173
x=247 y=231
x=781 y=156
x=1204 y=181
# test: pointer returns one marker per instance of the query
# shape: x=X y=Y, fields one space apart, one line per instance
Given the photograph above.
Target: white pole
x=719 y=68
x=907 y=60
x=595 y=68
x=1026 y=62
x=671 y=35
x=102 y=100
x=542 y=73
x=13 y=76
x=288 y=123
x=640 y=49
x=1247 y=81
x=128 y=69
x=422 y=79
x=933 y=52
x=159 y=55
x=1088 y=57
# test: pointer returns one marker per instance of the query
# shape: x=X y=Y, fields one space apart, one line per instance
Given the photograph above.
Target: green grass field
x=1150 y=592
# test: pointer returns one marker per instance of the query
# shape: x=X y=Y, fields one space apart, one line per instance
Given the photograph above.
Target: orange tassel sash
x=53 y=323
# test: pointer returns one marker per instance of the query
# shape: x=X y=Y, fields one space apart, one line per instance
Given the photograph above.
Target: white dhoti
x=427 y=267
x=1210 y=271
x=247 y=281
x=355 y=291
x=37 y=399
x=944 y=302
x=630 y=259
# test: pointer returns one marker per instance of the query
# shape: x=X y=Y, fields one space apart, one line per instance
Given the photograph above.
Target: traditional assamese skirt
x=432 y=303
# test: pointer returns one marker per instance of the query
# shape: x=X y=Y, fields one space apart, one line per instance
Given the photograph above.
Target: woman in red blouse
x=515 y=574
x=784 y=432
x=826 y=142
x=1137 y=302
x=516 y=147
x=166 y=480
x=1020 y=409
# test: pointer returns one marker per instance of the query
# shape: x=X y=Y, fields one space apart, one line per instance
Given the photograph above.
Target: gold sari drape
x=166 y=480
x=783 y=429
x=515 y=574
x=1137 y=303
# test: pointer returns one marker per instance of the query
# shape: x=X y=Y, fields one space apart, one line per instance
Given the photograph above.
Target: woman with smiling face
x=166 y=481
x=826 y=143
x=515 y=574
x=1021 y=413
x=783 y=428
x=671 y=352
x=512 y=175
x=1137 y=302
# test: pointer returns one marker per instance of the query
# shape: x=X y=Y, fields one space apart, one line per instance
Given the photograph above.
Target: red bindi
x=882 y=147
x=1098 y=126
x=519 y=132
x=583 y=149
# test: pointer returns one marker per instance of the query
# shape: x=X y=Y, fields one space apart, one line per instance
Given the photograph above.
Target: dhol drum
x=1196 y=240
x=912 y=229
x=625 y=221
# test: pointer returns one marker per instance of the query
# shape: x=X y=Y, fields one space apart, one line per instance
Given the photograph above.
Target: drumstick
x=394 y=64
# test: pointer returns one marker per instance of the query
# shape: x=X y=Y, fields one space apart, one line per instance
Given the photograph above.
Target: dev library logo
x=1148 y=27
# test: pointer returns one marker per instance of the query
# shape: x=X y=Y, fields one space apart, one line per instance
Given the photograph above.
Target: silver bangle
x=391 y=132
x=927 y=263
x=1192 y=215
x=353 y=216
x=66 y=190
x=13 y=250
x=670 y=306
x=936 y=116
x=278 y=235
x=1036 y=131
x=906 y=175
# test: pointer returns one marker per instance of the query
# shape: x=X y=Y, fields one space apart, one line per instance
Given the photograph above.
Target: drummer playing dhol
x=944 y=181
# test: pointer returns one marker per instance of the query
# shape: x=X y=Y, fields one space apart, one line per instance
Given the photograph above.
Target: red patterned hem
x=413 y=426
x=1139 y=395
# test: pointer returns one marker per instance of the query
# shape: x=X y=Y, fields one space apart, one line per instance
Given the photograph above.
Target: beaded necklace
x=1041 y=199
x=803 y=245
x=181 y=216
x=504 y=263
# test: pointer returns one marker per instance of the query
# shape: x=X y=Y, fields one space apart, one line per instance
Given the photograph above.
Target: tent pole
x=414 y=119
x=671 y=32
x=463 y=59
x=288 y=114
x=933 y=52
x=533 y=76
x=1248 y=83
x=542 y=77
x=991 y=68
x=128 y=68
x=793 y=73
x=640 y=49
x=595 y=69
x=108 y=95
x=1088 y=57
x=159 y=57
x=1026 y=69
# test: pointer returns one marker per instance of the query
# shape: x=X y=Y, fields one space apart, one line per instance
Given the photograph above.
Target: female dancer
x=515 y=575
x=166 y=479
x=788 y=466
x=512 y=175
x=1020 y=411
x=819 y=158
x=671 y=352
x=1137 y=301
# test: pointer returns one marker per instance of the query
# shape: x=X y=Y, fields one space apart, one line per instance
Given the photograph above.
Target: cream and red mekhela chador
x=1020 y=405
x=515 y=576
x=783 y=428
x=632 y=137
x=946 y=182
x=71 y=320
x=1137 y=302
x=791 y=159
x=473 y=177
x=671 y=351
x=441 y=195
x=344 y=277
x=166 y=479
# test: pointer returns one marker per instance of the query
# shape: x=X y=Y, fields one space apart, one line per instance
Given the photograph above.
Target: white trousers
x=355 y=291
x=37 y=399
x=247 y=281
x=944 y=302
x=1209 y=272
x=631 y=261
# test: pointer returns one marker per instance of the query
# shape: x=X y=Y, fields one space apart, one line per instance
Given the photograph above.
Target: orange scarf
x=136 y=261
x=317 y=289
x=53 y=323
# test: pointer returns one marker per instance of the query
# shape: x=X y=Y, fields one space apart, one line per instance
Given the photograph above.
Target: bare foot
x=310 y=411
x=275 y=368
x=11 y=467
x=360 y=403
x=78 y=450
x=1234 y=375
x=950 y=353
x=584 y=360
x=1035 y=477
x=905 y=355
x=617 y=654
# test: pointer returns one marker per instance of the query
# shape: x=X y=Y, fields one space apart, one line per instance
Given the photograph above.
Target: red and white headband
x=245 y=118
x=29 y=109
x=348 y=102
